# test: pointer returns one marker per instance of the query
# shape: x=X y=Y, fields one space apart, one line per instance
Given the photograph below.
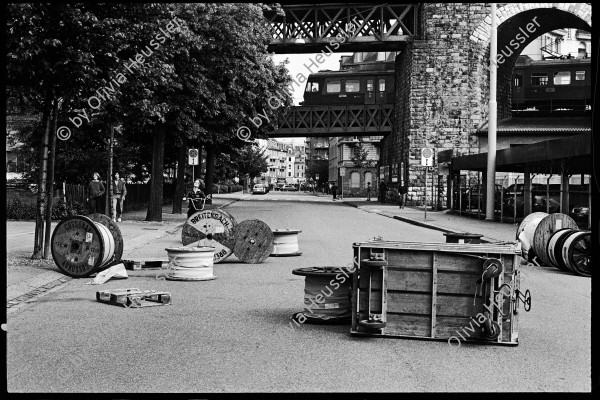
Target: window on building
x=582 y=50
x=289 y=158
x=334 y=86
x=562 y=78
x=289 y=174
x=382 y=85
x=352 y=86
x=518 y=80
x=369 y=85
x=368 y=178
x=355 y=180
x=580 y=75
x=539 y=79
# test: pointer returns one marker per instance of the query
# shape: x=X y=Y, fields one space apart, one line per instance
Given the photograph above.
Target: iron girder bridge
x=309 y=28
x=325 y=121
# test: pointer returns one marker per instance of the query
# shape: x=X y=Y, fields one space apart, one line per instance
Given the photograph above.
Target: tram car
x=349 y=87
x=551 y=85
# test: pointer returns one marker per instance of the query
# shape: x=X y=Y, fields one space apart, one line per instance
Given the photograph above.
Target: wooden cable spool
x=285 y=243
x=253 y=241
x=545 y=229
x=576 y=252
x=525 y=234
x=333 y=284
x=212 y=228
x=190 y=263
x=81 y=247
x=527 y=220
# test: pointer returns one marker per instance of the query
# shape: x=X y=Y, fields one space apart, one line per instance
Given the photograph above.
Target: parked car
x=259 y=188
x=290 y=188
x=580 y=215
x=473 y=193
x=538 y=199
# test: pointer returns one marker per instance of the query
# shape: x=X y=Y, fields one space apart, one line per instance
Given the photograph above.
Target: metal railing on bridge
x=360 y=120
x=304 y=27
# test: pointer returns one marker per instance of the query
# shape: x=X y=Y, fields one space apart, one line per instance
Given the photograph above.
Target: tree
x=359 y=155
x=252 y=161
x=50 y=57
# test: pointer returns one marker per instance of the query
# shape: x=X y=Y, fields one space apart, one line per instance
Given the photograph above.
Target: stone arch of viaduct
x=442 y=77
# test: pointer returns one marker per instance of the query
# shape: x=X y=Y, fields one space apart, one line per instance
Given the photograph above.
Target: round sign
x=427 y=153
x=193 y=153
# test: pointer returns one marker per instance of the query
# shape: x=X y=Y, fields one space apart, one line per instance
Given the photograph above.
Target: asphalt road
x=232 y=334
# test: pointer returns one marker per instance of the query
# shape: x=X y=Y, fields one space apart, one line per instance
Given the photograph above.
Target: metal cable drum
x=81 y=247
x=545 y=229
x=555 y=244
x=285 y=243
x=211 y=228
x=190 y=263
x=334 y=285
x=576 y=252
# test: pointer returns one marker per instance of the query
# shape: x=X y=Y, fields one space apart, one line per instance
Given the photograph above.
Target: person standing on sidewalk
x=382 y=191
x=368 y=191
x=95 y=191
x=119 y=191
x=334 y=190
x=196 y=198
x=402 y=191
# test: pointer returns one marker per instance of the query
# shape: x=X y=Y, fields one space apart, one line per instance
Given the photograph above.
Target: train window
x=580 y=75
x=369 y=85
x=518 y=79
x=382 y=85
x=334 y=86
x=312 y=87
x=539 y=79
x=562 y=78
x=352 y=86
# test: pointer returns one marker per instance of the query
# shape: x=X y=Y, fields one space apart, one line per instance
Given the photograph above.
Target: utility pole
x=491 y=159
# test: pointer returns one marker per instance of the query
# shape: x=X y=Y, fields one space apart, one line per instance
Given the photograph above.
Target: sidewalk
x=28 y=280
x=440 y=220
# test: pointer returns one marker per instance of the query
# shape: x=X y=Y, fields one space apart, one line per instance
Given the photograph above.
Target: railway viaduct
x=442 y=71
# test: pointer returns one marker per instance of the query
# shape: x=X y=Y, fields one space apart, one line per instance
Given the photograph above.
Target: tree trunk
x=180 y=186
x=156 y=190
x=50 y=178
x=109 y=177
x=38 y=243
x=210 y=167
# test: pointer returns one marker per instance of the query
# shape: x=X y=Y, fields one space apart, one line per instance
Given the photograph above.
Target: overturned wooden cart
x=441 y=291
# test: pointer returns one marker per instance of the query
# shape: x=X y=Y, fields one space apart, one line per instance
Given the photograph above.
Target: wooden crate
x=427 y=291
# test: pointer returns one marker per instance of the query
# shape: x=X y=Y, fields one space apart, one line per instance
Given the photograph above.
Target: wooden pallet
x=149 y=264
x=133 y=297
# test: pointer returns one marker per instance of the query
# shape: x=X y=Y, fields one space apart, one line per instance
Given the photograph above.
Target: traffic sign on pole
x=193 y=157
x=426 y=157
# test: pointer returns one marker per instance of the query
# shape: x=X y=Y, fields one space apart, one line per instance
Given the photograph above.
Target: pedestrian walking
x=196 y=199
x=119 y=191
x=402 y=191
x=368 y=191
x=382 y=191
x=95 y=191
x=334 y=191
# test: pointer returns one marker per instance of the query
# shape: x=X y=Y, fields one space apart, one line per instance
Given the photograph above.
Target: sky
x=296 y=66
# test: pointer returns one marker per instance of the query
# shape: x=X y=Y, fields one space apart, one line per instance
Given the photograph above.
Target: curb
x=484 y=239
